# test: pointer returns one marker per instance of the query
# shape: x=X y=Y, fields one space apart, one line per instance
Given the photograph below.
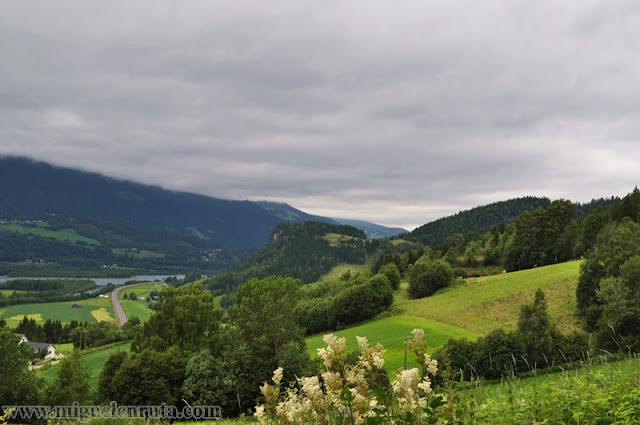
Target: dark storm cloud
x=398 y=113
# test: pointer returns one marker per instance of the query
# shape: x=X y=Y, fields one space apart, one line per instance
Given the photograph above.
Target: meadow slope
x=469 y=309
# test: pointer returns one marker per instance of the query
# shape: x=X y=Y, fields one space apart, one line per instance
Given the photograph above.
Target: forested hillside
x=31 y=189
x=479 y=219
x=303 y=251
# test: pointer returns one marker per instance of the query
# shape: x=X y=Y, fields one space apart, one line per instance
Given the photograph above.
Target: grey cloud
x=398 y=112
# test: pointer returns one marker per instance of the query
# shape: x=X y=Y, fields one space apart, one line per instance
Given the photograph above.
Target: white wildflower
x=378 y=361
x=259 y=412
x=431 y=364
x=425 y=385
x=418 y=335
x=362 y=343
x=277 y=376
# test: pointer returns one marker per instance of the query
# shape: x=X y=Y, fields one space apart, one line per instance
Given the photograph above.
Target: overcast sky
x=396 y=112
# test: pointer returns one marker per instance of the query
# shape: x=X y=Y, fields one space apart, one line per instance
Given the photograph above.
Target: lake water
x=103 y=281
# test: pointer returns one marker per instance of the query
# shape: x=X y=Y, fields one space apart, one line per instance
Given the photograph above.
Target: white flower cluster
x=371 y=357
x=411 y=390
x=430 y=364
x=344 y=394
x=335 y=351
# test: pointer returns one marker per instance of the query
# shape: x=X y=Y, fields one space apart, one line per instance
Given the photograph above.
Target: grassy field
x=391 y=332
x=138 y=307
x=340 y=269
x=468 y=309
x=64 y=348
x=41 y=230
x=480 y=305
x=91 y=310
x=94 y=360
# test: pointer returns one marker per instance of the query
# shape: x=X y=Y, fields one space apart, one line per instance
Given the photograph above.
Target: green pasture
x=136 y=308
x=94 y=360
x=391 y=332
x=64 y=348
x=41 y=230
x=142 y=290
x=482 y=304
x=63 y=311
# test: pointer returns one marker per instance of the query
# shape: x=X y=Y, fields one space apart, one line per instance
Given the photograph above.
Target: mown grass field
x=482 y=304
x=41 y=230
x=94 y=361
x=64 y=348
x=139 y=307
x=391 y=333
x=91 y=310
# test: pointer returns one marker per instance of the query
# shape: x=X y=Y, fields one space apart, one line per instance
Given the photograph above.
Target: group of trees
x=608 y=292
x=186 y=352
x=536 y=237
x=478 y=220
x=81 y=334
x=52 y=331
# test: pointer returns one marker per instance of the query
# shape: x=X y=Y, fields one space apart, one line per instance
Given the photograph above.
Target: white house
x=41 y=350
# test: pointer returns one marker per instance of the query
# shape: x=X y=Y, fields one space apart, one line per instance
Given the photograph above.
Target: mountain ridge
x=31 y=188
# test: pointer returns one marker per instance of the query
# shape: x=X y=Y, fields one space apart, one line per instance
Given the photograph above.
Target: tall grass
x=601 y=392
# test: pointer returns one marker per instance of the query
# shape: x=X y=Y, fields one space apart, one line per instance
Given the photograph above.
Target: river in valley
x=103 y=281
